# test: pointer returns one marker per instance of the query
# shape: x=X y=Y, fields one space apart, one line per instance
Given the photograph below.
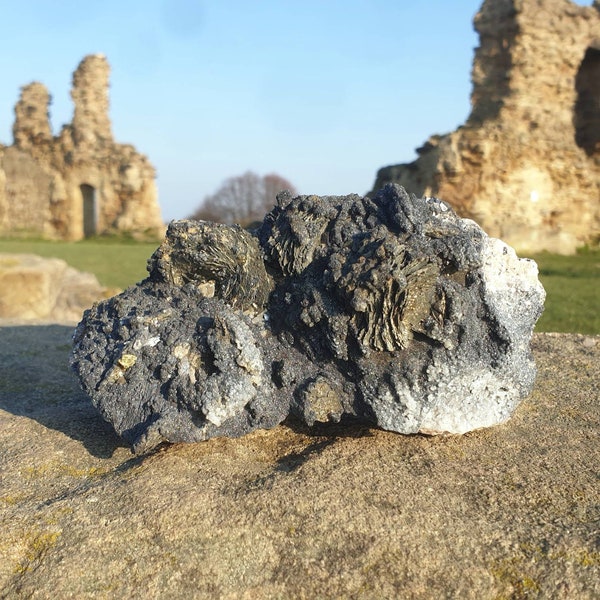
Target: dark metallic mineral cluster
x=390 y=310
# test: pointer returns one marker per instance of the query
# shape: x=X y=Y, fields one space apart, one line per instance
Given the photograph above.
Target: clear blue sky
x=321 y=92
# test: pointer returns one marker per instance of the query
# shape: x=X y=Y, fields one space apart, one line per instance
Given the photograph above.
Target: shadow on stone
x=294 y=460
x=36 y=382
x=325 y=434
x=348 y=427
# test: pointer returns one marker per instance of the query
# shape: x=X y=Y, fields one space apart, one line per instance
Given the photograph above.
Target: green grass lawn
x=572 y=282
x=116 y=263
x=572 y=292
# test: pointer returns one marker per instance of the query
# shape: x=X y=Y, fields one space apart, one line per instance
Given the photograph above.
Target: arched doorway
x=90 y=221
x=587 y=105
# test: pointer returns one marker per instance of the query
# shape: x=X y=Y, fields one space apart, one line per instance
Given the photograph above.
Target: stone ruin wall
x=526 y=164
x=81 y=182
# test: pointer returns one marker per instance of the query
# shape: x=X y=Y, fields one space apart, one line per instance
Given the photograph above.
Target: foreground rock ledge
x=392 y=310
x=327 y=512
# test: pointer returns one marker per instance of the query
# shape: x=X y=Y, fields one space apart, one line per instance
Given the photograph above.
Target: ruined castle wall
x=3 y=199
x=81 y=182
x=519 y=166
x=124 y=189
x=26 y=191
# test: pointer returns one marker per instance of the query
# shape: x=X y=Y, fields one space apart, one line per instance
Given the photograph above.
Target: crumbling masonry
x=526 y=164
x=81 y=182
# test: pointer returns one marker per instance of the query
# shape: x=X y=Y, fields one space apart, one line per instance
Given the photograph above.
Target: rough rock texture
x=391 y=310
x=332 y=512
x=35 y=288
x=81 y=182
x=526 y=164
x=32 y=119
x=91 y=124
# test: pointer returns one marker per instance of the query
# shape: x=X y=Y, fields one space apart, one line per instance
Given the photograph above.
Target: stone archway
x=90 y=210
x=587 y=106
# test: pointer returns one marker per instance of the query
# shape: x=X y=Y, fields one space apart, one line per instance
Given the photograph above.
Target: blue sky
x=321 y=92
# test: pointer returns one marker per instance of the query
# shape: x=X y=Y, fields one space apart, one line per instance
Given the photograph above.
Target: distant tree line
x=243 y=199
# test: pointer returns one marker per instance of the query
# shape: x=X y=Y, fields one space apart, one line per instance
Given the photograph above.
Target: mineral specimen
x=390 y=310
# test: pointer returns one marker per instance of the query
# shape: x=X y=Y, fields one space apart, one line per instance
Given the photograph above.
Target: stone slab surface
x=507 y=512
x=33 y=288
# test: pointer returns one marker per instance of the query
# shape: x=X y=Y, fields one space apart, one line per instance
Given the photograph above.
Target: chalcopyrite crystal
x=391 y=310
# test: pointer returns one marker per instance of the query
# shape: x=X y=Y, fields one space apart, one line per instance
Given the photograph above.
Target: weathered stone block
x=28 y=285
x=32 y=287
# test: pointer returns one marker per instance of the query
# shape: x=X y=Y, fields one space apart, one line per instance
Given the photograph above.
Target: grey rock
x=392 y=310
x=174 y=365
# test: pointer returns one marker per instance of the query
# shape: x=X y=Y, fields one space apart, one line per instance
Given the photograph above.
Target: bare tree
x=243 y=199
x=273 y=184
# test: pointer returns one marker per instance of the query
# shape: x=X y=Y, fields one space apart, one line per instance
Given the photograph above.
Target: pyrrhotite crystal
x=392 y=310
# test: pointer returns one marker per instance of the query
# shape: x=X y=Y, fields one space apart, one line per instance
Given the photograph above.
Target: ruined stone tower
x=81 y=182
x=526 y=164
x=91 y=124
x=32 y=121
